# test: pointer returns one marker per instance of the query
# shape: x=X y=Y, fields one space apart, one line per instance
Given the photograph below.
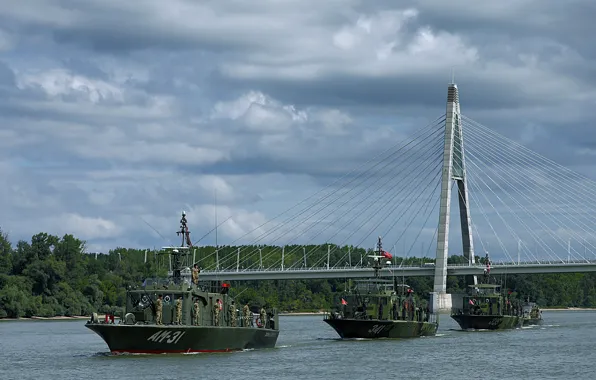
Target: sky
x=115 y=117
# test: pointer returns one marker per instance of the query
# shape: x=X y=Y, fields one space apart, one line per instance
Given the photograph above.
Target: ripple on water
x=307 y=348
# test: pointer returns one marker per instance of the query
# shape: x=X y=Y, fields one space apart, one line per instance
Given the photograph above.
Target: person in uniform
x=263 y=316
x=245 y=314
x=195 y=274
x=158 y=309
x=197 y=313
x=216 y=313
x=232 y=309
x=179 y=311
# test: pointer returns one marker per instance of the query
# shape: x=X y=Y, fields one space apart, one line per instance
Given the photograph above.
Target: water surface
x=563 y=347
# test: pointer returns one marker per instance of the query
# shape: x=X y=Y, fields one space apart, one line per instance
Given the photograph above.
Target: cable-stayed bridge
x=529 y=213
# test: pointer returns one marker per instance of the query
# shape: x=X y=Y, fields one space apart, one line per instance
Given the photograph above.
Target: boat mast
x=184 y=231
x=487 y=269
x=176 y=253
x=377 y=261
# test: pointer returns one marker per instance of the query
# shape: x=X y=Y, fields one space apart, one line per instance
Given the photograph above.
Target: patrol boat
x=484 y=307
x=180 y=315
x=379 y=308
x=532 y=315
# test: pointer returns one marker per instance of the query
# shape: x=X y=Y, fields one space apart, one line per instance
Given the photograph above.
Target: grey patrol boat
x=380 y=308
x=532 y=315
x=233 y=328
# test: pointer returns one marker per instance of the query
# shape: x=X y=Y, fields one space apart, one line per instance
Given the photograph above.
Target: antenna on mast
x=452 y=75
x=184 y=231
x=215 y=210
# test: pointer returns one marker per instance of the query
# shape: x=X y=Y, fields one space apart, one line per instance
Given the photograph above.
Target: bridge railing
x=396 y=268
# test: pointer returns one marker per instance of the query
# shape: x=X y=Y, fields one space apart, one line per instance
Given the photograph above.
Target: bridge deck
x=389 y=271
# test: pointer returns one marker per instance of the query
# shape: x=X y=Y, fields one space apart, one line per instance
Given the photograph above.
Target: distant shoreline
x=101 y=317
x=57 y=318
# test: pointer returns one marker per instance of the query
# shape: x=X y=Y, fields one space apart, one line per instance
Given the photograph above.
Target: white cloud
x=122 y=111
x=59 y=82
x=86 y=227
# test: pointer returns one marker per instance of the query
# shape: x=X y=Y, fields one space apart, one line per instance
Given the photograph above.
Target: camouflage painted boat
x=485 y=308
x=487 y=322
x=379 y=308
x=181 y=315
x=532 y=315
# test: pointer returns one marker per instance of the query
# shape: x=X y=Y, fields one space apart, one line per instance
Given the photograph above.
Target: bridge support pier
x=453 y=170
x=441 y=302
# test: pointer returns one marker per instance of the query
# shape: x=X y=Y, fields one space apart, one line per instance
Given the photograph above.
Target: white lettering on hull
x=168 y=336
x=378 y=329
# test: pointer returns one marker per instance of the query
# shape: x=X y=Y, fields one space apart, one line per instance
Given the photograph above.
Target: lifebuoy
x=167 y=298
x=258 y=322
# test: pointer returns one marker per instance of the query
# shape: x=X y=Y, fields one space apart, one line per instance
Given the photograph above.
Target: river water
x=563 y=347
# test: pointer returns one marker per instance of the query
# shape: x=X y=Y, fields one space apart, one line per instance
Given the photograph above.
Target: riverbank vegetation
x=55 y=276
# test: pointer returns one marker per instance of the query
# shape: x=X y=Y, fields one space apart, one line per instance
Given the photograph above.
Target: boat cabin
x=141 y=303
x=483 y=299
x=379 y=299
x=530 y=310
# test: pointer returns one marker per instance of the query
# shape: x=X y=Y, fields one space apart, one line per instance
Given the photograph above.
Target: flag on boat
x=344 y=302
x=387 y=255
x=471 y=302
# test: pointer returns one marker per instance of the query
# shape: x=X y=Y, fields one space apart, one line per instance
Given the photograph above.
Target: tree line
x=55 y=276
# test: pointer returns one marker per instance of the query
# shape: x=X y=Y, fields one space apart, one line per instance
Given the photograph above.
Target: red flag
x=387 y=255
x=471 y=302
x=343 y=302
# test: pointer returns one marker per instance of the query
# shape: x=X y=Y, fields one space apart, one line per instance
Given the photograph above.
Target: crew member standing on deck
x=216 y=313
x=179 y=311
x=195 y=274
x=232 y=309
x=158 y=309
x=263 y=317
x=197 y=313
x=245 y=313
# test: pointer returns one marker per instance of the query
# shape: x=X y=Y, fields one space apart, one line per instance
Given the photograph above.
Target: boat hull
x=487 y=322
x=371 y=329
x=153 y=339
x=532 y=321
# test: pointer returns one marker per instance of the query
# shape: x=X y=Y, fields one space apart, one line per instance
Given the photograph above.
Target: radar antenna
x=184 y=231
x=379 y=256
x=176 y=253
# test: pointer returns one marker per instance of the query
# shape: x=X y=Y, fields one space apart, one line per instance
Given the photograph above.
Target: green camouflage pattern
x=374 y=329
x=485 y=308
x=488 y=322
x=185 y=327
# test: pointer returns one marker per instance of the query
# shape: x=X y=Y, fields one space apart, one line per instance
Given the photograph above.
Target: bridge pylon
x=453 y=170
